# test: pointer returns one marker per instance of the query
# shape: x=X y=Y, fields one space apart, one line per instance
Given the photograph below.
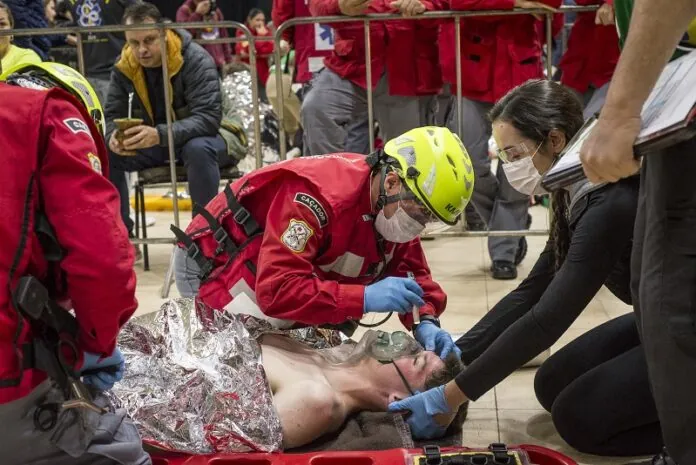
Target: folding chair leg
x=137 y=210
x=146 y=252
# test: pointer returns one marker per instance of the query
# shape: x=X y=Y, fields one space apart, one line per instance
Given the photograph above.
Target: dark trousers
x=199 y=155
x=664 y=258
x=598 y=392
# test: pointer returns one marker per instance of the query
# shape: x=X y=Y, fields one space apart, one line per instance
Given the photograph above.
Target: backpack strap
x=241 y=215
x=194 y=252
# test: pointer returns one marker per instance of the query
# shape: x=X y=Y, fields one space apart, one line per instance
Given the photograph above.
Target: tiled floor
x=509 y=413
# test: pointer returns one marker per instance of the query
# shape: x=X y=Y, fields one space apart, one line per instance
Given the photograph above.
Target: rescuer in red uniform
x=593 y=51
x=323 y=240
x=61 y=227
x=497 y=54
x=405 y=74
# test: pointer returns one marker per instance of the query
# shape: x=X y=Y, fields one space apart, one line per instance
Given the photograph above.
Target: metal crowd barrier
x=456 y=15
x=164 y=27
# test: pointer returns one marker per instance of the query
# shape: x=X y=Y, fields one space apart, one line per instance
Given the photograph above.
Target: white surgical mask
x=523 y=176
x=399 y=228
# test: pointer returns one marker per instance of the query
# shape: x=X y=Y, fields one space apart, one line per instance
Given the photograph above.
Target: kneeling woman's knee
x=545 y=385
x=575 y=423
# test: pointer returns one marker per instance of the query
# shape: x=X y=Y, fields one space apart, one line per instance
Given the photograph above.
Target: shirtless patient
x=315 y=391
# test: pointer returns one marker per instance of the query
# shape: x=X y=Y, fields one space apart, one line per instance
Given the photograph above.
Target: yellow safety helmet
x=436 y=168
x=47 y=75
x=691 y=33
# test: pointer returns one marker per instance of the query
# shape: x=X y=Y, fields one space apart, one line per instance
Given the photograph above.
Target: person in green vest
x=664 y=249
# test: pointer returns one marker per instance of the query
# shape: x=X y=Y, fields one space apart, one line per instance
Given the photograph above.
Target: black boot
x=503 y=270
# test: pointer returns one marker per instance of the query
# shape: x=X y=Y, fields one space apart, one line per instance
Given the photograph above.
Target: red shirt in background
x=221 y=53
x=263 y=50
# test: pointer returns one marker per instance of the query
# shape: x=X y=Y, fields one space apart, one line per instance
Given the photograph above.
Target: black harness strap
x=26 y=219
x=241 y=215
x=194 y=253
x=225 y=243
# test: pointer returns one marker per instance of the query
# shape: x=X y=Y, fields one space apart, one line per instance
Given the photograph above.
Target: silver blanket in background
x=193 y=389
x=236 y=94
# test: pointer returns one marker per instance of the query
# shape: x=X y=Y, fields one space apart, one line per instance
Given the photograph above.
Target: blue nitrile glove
x=393 y=295
x=102 y=374
x=436 y=339
x=423 y=407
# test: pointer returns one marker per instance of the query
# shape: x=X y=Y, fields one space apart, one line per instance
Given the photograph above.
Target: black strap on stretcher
x=240 y=215
x=500 y=453
x=433 y=456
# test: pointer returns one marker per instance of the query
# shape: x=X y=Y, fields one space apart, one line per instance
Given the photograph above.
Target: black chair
x=160 y=177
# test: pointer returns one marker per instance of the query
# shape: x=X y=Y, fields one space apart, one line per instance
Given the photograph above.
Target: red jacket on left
x=498 y=52
x=264 y=48
x=406 y=50
x=593 y=51
x=54 y=161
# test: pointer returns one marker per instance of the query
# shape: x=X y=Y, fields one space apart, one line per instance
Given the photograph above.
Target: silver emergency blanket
x=236 y=94
x=316 y=338
x=193 y=388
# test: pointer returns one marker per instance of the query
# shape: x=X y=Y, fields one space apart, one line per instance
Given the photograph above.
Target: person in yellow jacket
x=11 y=55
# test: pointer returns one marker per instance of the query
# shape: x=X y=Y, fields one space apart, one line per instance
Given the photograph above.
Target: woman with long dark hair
x=596 y=387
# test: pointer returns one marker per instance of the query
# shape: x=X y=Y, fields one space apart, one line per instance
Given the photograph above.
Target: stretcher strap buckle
x=500 y=453
x=432 y=455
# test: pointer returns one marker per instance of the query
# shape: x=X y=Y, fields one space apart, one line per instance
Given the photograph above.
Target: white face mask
x=523 y=176
x=399 y=228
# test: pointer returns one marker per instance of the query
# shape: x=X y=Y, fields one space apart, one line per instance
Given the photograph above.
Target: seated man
x=240 y=386
x=195 y=101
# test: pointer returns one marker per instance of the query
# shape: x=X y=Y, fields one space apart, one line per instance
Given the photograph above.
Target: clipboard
x=668 y=118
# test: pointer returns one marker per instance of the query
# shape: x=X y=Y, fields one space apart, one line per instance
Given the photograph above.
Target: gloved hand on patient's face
x=423 y=407
x=393 y=295
x=104 y=373
x=436 y=339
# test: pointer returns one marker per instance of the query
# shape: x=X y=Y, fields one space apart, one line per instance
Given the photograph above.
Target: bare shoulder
x=308 y=409
x=314 y=397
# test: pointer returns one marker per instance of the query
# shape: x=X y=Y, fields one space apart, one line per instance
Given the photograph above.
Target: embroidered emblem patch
x=314 y=205
x=296 y=236
x=94 y=162
x=76 y=125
